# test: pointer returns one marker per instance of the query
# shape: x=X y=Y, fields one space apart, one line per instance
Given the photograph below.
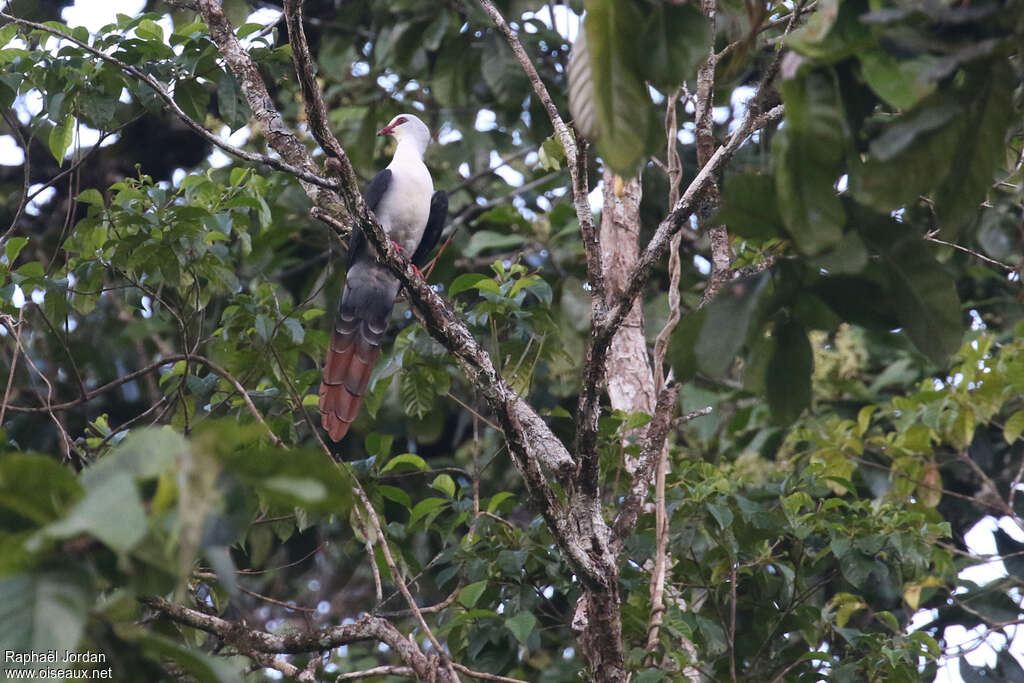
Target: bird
x=402 y=197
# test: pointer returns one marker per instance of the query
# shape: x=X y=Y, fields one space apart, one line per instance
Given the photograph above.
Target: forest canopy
x=716 y=375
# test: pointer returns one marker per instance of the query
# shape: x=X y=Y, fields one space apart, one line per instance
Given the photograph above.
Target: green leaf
x=302 y=488
x=614 y=40
x=497 y=499
x=482 y=240
x=725 y=328
x=110 y=512
x=196 y=664
x=264 y=328
x=13 y=247
x=849 y=256
x=43 y=611
x=91 y=197
x=981 y=150
x=834 y=32
x=470 y=595
x=521 y=626
x=60 y=138
x=551 y=154
x=889 y=184
x=417 y=389
x=7 y=33
x=582 y=97
x=807 y=154
x=405 y=460
x=23 y=476
x=396 y=494
x=859 y=300
x=675 y=43
x=149 y=30
x=445 y=484
x=145 y=454
x=97 y=108
x=232 y=106
x=192 y=98
x=900 y=82
x=749 y=207
x=425 y=507
x=1014 y=427
x=465 y=282
x=501 y=71
x=788 y=376
x=902 y=133
x=682 y=351
x=925 y=299
x=295 y=330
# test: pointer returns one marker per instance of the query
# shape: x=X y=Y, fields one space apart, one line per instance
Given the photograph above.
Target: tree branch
x=575 y=155
x=654 y=440
x=252 y=641
x=675 y=221
x=304 y=172
x=316 y=109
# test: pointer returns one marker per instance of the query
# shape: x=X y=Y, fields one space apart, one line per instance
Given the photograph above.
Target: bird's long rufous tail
x=353 y=351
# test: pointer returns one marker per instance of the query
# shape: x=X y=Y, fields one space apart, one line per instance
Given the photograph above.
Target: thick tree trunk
x=630 y=386
x=628 y=375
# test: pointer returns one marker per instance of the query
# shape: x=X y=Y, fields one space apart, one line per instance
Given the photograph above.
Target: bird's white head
x=408 y=129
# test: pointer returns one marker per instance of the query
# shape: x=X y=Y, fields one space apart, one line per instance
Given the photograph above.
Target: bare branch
x=386 y=670
x=316 y=109
x=253 y=641
x=677 y=218
x=654 y=440
x=931 y=237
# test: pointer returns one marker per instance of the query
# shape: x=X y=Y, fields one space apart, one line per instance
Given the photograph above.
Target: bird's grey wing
x=378 y=186
x=435 y=224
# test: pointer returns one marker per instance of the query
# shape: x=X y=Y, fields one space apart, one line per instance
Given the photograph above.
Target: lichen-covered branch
x=249 y=640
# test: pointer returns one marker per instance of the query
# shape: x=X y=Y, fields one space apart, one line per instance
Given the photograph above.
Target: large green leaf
x=981 y=149
x=891 y=184
x=807 y=154
x=922 y=292
x=43 y=611
x=900 y=82
x=614 y=33
x=144 y=454
x=859 y=300
x=675 y=42
x=60 y=138
x=924 y=296
x=111 y=511
x=299 y=477
x=749 y=206
x=24 y=476
x=725 y=327
x=787 y=378
x=833 y=32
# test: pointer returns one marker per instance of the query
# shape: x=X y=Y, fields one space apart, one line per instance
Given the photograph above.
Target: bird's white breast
x=404 y=208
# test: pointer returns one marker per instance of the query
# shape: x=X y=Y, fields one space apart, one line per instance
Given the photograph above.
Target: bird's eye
x=399 y=121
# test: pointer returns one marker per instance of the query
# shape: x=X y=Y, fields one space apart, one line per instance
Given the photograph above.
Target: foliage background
x=822 y=504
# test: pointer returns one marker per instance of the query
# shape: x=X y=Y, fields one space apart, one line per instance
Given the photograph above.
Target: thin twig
x=8 y=325
x=931 y=237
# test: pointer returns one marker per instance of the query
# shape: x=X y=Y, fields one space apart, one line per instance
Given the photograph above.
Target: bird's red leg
x=399 y=247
